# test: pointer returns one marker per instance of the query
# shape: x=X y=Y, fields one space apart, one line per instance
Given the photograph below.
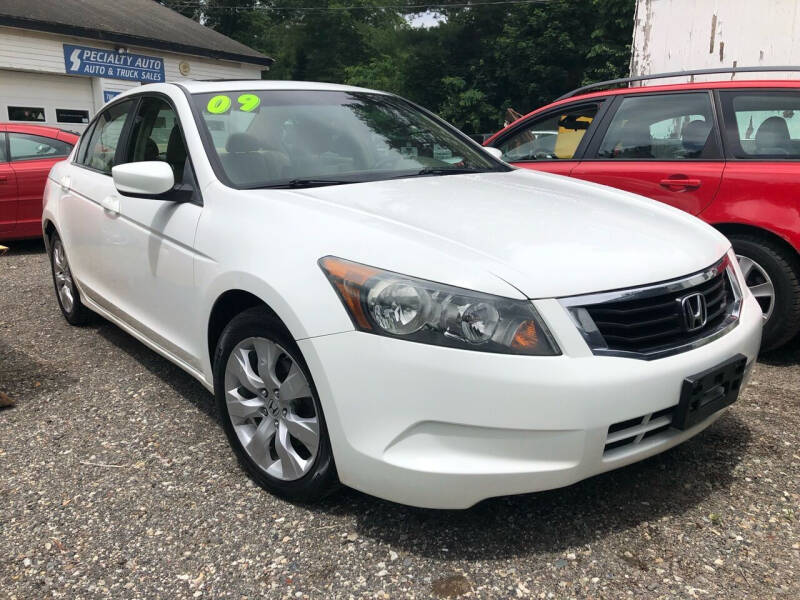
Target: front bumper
x=445 y=428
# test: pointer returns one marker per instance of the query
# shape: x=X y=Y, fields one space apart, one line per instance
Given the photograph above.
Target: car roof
x=44 y=130
x=649 y=89
x=695 y=85
x=232 y=85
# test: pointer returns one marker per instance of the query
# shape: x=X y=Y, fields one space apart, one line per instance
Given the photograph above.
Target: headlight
x=394 y=305
x=737 y=278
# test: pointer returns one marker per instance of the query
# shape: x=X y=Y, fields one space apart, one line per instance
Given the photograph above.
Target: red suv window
x=554 y=136
x=762 y=124
x=661 y=127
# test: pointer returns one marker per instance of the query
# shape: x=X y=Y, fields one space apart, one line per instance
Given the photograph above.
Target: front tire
x=773 y=275
x=69 y=299
x=270 y=408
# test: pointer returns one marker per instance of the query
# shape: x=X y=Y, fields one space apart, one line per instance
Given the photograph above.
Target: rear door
x=551 y=141
x=761 y=185
x=32 y=156
x=8 y=189
x=663 y=146
x=87 y=211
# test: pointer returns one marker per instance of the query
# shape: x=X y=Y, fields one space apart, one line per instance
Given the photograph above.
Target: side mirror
x=148 y=178
x=496 y=152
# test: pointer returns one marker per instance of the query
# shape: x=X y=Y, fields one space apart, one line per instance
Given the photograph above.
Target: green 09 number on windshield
x=219 y=105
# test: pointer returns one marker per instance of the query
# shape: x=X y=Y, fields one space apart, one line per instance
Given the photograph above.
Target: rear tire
x=270 y=408
x=69 y=299
x=768 y=266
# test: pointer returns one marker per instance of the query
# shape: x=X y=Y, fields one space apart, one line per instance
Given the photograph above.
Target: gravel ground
x=116 y=481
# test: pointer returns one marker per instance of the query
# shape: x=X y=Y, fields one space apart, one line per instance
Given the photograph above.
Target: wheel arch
x=229 y=304
x=48 y=229
x=728 y=229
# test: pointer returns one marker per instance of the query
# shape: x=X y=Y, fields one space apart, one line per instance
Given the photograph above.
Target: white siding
x=677 y=35
x=42 y=53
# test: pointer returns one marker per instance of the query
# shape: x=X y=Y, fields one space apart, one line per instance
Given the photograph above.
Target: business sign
x=108 y=96
x=98 y=62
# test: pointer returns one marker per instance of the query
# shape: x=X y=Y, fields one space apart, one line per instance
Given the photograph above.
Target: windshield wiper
x=307 y=183
x=444 y=171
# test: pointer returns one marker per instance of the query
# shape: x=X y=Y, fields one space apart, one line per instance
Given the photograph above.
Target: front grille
x=650 y=322
x=633 y=431
x=644 y=325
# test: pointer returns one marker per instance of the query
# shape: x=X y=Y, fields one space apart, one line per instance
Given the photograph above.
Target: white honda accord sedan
x=376 y=300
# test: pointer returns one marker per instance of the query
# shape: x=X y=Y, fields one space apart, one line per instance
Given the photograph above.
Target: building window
x=70 y=115
x=25 y=113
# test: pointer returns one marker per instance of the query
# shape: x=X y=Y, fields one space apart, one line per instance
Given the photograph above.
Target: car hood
x=546 y=235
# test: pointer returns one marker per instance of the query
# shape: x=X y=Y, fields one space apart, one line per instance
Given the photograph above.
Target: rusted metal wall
x=675 y=35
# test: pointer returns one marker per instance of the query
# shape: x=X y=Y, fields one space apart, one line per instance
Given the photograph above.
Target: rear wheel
x=773 y=276
x=270 y=409
x=69 y=300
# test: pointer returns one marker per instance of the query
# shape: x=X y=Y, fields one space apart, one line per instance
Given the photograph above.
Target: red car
x=26 y=154
x=727 y=152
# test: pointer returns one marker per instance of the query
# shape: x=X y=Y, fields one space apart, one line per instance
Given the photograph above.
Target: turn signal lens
x=525 y=336
x=402 y=307
x=348 y=278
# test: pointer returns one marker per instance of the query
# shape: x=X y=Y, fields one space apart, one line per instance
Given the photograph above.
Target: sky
x=426 y=19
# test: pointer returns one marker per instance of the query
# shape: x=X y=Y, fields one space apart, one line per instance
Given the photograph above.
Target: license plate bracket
x=707 y=392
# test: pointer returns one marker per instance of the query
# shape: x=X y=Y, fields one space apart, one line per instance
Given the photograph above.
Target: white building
x=61 y=60
x=679 y=35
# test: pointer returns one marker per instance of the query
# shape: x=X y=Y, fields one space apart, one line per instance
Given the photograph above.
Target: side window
x=156 y=135
x=762 y=125
x=3 y=157
x=661 y=127
x=83 y=143
x=25 y=146
x=102 y=143
x=552 y=137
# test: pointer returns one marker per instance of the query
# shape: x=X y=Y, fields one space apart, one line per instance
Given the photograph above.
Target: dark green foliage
x=470 y=68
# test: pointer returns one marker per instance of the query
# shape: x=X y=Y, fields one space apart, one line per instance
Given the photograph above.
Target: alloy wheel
x=63 y=276
x=271 y=408
x=759 y=283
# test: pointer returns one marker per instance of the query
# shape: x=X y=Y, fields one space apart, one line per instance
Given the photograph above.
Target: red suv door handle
x=3 y=178
x=680 y=183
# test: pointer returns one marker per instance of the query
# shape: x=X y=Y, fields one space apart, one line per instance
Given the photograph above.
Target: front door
x=550 y=141
x=663 y=146
x=154 y=249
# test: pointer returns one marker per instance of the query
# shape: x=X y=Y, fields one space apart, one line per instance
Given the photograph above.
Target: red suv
x=727 y=152
x=27 y=152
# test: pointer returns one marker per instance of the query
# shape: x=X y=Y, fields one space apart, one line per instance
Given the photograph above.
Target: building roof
x=143 y=23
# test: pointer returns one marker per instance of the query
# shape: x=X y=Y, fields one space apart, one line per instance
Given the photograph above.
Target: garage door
x=43 y=99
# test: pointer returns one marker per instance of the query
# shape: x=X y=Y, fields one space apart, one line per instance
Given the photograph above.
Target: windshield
x=308 y=138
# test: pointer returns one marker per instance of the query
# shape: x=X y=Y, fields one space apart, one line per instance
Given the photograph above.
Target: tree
x=482 y=59
x=464 y=107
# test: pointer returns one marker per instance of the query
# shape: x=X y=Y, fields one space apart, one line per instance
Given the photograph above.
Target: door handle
x=3 y=178
x=65 y=182
x=110 y=204
x=680 y=183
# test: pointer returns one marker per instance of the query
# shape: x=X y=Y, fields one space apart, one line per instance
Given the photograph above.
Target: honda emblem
x=695 y=311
